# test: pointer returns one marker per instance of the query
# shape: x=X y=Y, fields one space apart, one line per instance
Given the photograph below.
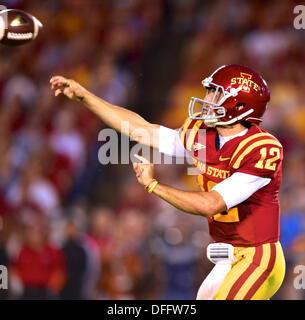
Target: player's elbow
x=212 y=204
x=208 y=210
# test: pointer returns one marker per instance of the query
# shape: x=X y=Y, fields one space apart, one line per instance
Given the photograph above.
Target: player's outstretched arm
x=111 y=115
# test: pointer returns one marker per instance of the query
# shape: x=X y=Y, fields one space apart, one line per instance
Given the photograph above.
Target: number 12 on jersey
x=274 y=153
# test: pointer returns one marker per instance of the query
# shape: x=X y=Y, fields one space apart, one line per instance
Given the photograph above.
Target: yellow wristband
x=148 y=185
x=152 y=186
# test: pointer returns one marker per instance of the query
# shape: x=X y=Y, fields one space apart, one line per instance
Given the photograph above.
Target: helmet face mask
x=211 y=110
x=238 y=92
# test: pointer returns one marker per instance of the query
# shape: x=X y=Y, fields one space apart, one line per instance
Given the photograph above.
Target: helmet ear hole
x=240 y=106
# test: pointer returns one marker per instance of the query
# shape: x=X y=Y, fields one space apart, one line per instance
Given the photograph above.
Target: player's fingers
x=57 y=78
x=58 y=92
x=136 y=169
x=59 y=81
x=58 y=85
x=55 y=81
x=135 y=166
x=142 y=159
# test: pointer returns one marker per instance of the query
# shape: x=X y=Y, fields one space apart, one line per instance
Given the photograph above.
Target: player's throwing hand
x=68 y=87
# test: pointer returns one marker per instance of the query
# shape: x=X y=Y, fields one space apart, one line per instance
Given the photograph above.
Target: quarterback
x=239 y=177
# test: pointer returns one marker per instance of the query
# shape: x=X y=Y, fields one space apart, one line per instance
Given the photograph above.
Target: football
x=18 y=27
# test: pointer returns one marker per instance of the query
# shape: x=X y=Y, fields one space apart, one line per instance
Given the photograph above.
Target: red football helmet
x=245 y=95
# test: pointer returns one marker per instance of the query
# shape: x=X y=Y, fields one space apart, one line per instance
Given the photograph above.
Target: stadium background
x=72 y=228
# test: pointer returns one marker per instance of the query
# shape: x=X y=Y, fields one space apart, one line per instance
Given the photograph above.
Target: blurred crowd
x=71 y=228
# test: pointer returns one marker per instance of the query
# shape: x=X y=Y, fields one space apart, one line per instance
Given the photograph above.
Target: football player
x=239 y=175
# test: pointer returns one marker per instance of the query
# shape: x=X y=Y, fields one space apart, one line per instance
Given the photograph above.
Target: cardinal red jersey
x=256 y=220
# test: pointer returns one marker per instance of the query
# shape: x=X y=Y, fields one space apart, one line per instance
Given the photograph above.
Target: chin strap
x=226 y=123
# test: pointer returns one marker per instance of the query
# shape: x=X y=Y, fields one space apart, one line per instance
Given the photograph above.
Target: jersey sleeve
x=262 y=158
x=239 y=187
x=170 y=144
